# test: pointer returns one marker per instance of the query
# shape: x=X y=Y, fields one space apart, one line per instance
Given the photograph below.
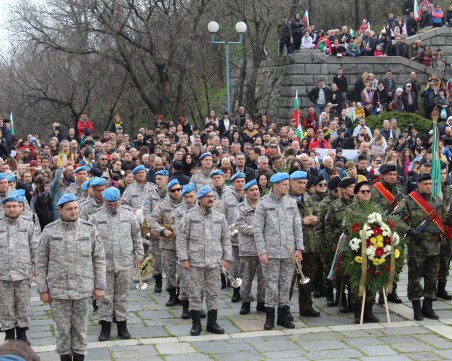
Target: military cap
x=12 y=198
x=423 y=177
x=359 y=185
x=11 y=178
x=206 y=154
x=216 y=172
x=334 y=183
x=86 y=184
x=279 y=177
x=203 y=191
x=68 y=197
x=171 y=183
x=98 y=181
x=299 y=174
x=346 y=182
x=2 y=176
x=163 y=172
x=385 y=168
x=425 y=162
x=138 y=168
x=189 y=187
x=238 y=175
x=250 y=184
x=95 y=172
x=82 y=168
x=111 y=194
x=318 y=180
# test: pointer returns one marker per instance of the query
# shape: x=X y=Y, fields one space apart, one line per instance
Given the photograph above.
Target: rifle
x=391 y=207
x=426 y=221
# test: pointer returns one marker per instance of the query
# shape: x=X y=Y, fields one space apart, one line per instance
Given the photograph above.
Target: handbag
x=443 y=114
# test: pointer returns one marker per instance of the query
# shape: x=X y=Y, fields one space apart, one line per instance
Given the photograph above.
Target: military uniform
x=121 y=237
x=220 y=195
x=88 y=207
x=18 y=246
x=135 y=194
x=201 y=178
x=446 y=252
x=70 y=265
x=77 y=190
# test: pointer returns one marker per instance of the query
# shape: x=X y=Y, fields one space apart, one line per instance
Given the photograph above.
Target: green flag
x=436 y=163
x=12 y=123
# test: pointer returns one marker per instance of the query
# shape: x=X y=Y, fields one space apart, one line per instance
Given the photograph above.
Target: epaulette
x=264 y=197
x=28 y=219
x=87 y=222
x=97 y=210
x=51 y=224
x=126 y=206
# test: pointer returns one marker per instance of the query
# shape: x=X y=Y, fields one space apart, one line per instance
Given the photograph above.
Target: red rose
x=368 y=243
x=379 y=252
x=355 y=227
x=369 y=271
x=391 y=223
x=387 y=241
x=387 y=267
x=377 y=231
x=377 y=273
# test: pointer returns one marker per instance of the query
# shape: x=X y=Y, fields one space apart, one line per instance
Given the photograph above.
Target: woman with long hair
x=65 y=153
x=187 y=161
x=263 y=183
x=407 y=158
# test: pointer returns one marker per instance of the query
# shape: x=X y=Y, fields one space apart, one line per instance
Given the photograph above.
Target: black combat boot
x=158 y=283
x=22 y=335
x=245 y=309
x=368 y=314
x=105 y=331
x=196 y=323
x=202 y=314
x=79 y=357
x=212 y=325
x=417 y=310
x=343 y=308
x=427 y=310
x=305 y=311
x=223 y=281
x=172 y=299
x=236 y=295
x=66 y=357
x=269 y=318
x=393 y=296
x=178 y=301
x=381 y=300
x=316 y=293
x=330 y=297
x=289 y=314
x=441 y=291
x=10 y=334
x=261 y=307
x=283 y=320
x=357 y=312
x=185 y=312
x=122 y=330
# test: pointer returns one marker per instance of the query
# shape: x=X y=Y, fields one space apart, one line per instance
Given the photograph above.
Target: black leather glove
x=413 y=234
x=432 y=230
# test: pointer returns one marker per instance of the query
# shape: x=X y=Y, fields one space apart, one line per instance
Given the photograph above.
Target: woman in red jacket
x=83 y=123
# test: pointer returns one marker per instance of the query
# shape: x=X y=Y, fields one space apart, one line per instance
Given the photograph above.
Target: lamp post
x=240 y=27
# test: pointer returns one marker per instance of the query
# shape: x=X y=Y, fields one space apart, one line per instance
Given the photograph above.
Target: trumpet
x=235 y=282
x=304 y=280
x=140 y=285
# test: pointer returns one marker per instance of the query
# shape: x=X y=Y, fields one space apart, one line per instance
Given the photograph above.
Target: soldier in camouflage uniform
x=332 y=231
x=309 y=219
x=202 y=177
x=155 y=195
x=203 y=241
x=389 y=183
x=161 y=221
x=81 y=175
x=277 y=230
x=231 y=200
x=18 y=245
x=120 y=233
x=70 y=271
x=423 y=249
x=135 y=193
x=95 y=202
x=219 y=187
x=249 y=260
x=189 y=201
x=4 y=189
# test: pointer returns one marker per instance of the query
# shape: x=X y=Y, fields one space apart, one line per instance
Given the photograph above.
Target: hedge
x=422 y=125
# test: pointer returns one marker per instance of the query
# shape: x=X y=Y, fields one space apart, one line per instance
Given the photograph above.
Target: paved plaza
x=160 y=334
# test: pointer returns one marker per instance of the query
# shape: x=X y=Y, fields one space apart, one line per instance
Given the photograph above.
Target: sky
x=4 y=22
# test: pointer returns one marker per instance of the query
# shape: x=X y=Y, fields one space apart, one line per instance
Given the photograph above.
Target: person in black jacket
x=43 y=205
x=411 y=24
x=381 y=96
x=284 y=36
x=319 y=96
x=341 y=81
x=425 y=19
x=3 y=147
x=179 y=174
x=429 y=96
x=296 y=27
x=409 y=99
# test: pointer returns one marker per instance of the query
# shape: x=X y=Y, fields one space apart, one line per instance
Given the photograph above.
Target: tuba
x=144 y=272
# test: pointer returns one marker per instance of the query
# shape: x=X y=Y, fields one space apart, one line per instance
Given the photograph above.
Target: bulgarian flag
x=296 y=116
x=416 y=10
x=305 y=18
x=436 y=163
x=12 y=123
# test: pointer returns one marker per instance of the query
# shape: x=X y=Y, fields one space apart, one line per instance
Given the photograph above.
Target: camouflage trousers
x=155 y=250
x=235 y=265
x=278 y=275
x=310 y=266
x=184 y=282
x=444 y=263
x=14 y=304
x=169 y=263
x=114 y=305
x=249 y=266
x=71 y=320
x=422 y=266
x=204 y=282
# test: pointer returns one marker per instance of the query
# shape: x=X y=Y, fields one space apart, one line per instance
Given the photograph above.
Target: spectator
x=438 y=61
x=296 y=27
x=319 y=95
x=443 y=105
x=401 y=47
x=448 y=16
x=426 y=55
x=307 y=42
x=380 y=97
x=409 y=99
x=6 y=135
x=241 y=117
x=437 y=17
x=367 y=99
x=397 y=101
x=429 y=94
x=360 y=85
x=284 y=36
x=84 y=123
x=362 y=127
x=116 y=123
x=411 y=24
x=424 y=18
x=319 y=142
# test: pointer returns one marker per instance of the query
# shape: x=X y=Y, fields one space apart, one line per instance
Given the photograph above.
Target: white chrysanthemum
x=369 y=233
x=371 y=251
x=387 y=249
x=370 y=257
x=395 y=238
x=384 y=233
x=354 y=246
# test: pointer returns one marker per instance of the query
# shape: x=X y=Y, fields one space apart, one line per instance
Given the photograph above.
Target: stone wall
x=280 y=78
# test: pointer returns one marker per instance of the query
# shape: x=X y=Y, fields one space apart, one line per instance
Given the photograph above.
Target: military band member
x=70 y=271
x=203 y=241
x=161 y=221
x=152 y=197
x=202 y=177
x=120 y=233
x=18 y=245
x=135 y=193
x=81 y=175
x=231 y=200
x=4 y=189
x=309 y=219
x=276 y=224
x=249 y=260
x=95 y=202
x=423 y=247
x=219 y=187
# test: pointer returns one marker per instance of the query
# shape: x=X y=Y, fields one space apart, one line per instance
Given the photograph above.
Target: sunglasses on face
x=365 y=191
x=175 y=190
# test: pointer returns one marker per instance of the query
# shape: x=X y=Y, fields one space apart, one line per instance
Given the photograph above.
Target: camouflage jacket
x=392 y=188
x=88 y=207
x=333 y=222
x=306 y=207
x=230 y=203
x=135 y=194
x=244 y=222
x=178 y=213
x=77 y=190
x=322 y=209
x=161 y=219
x=220 y=196
x=201 y=178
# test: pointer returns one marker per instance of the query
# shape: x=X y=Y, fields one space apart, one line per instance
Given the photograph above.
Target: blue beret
x=250 y=184
x=111 y=194
x=299 y=174
x=11 y=178
x=162 y=172
x=85 y=184
x=2 y=176
x=138 y=168
x=97 y=181
x=216 y=172
x=171 y=183
x=207 y=154
x=238 y=175
x=69 y=197
x=16 y=196
x=189 y=187
x=82 y=168
x=203 y=191
x=279 y=177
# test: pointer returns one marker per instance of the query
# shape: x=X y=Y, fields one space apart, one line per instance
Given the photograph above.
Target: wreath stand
x=363 y=303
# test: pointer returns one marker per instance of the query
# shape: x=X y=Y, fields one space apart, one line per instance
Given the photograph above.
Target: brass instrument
x=169 y=227
x=233 y=229
x=304 y=280
x=144 y=272
x=235 y=282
